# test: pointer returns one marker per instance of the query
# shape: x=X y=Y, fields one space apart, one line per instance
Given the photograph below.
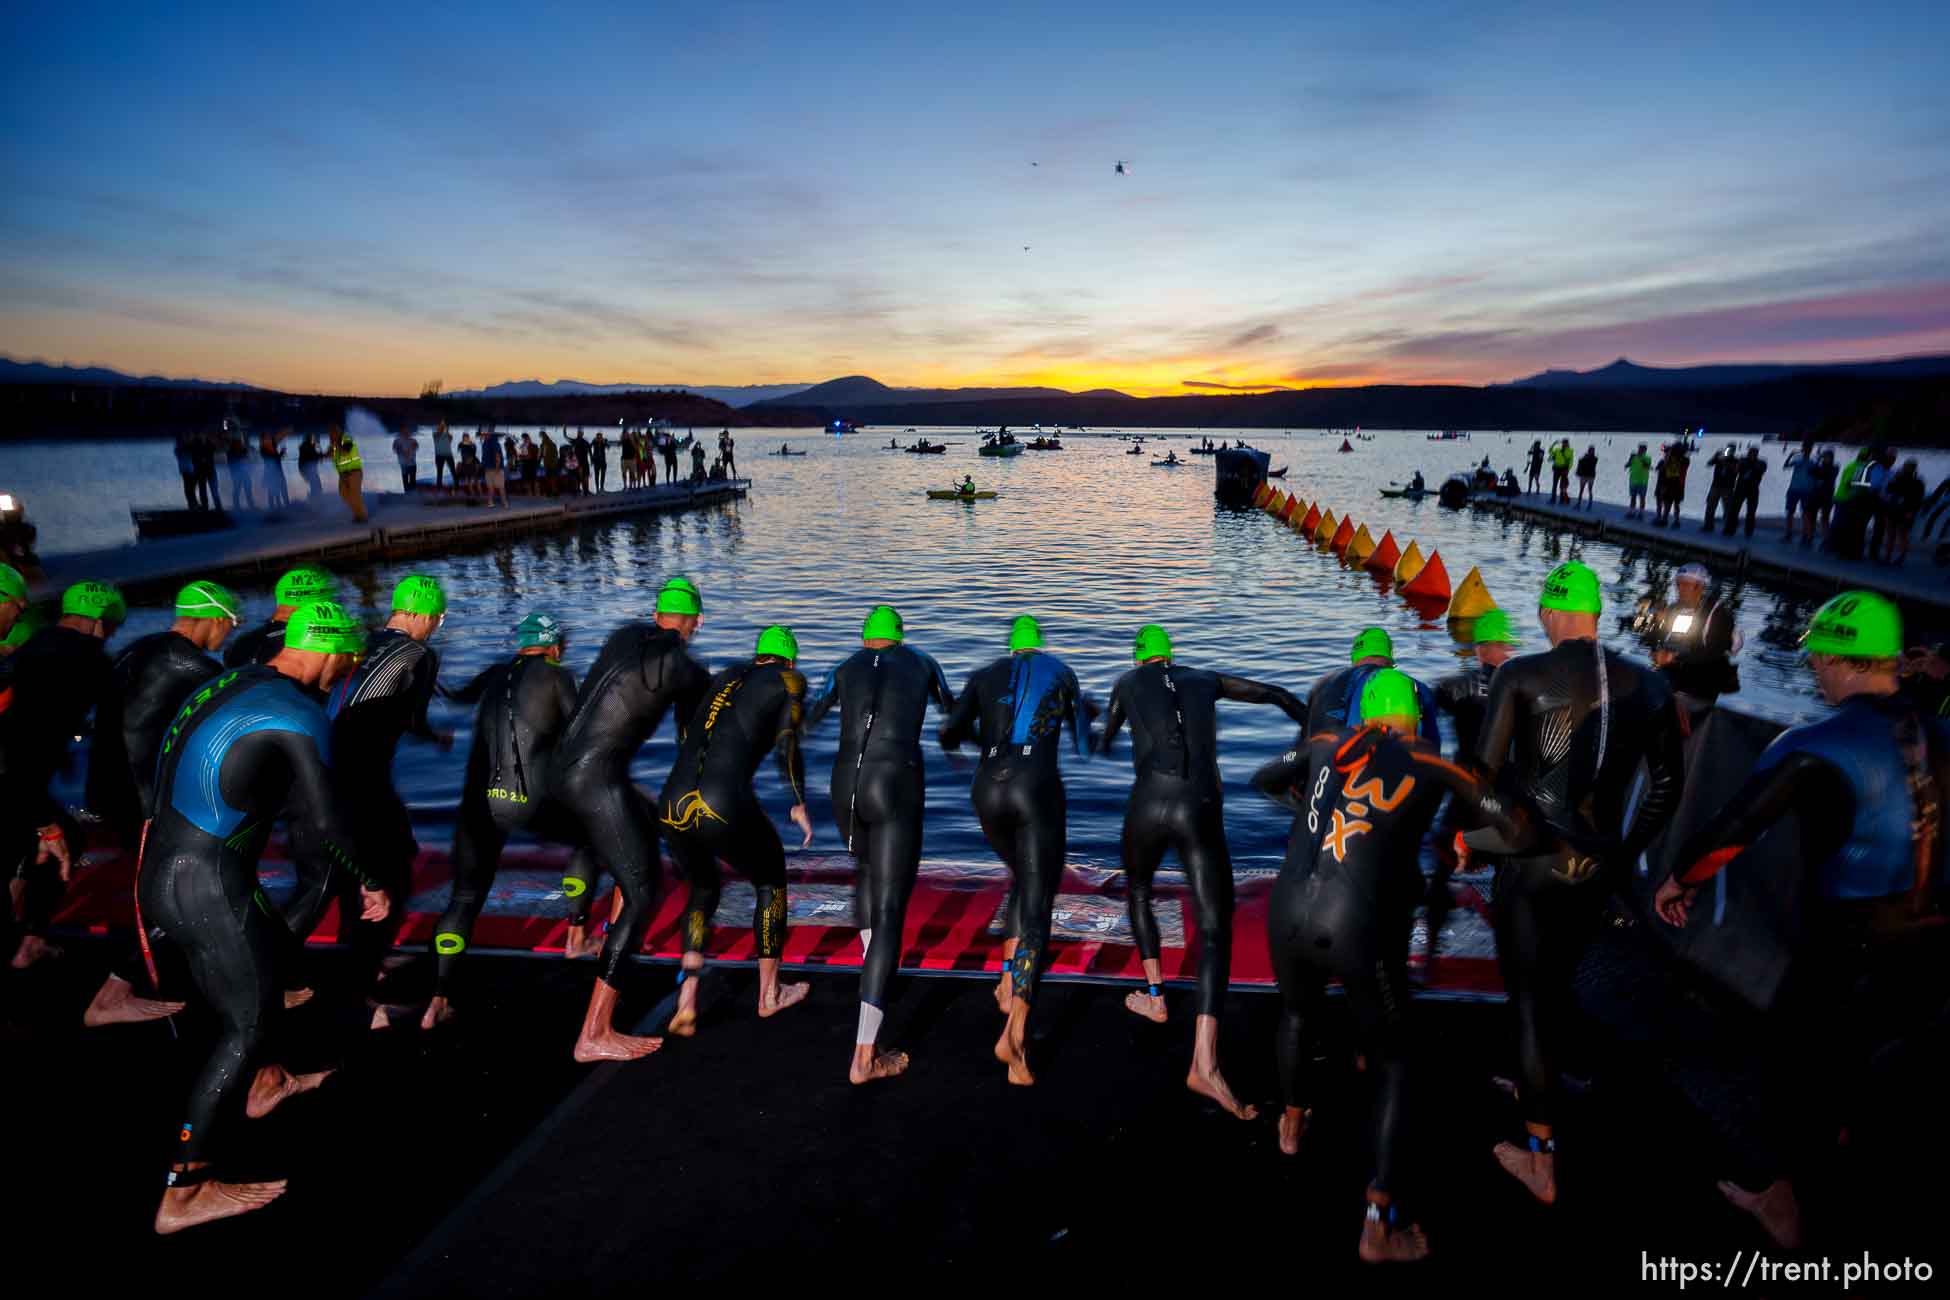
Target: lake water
x=1091 y=540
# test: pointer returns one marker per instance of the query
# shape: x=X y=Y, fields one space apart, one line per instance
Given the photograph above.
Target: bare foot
x=1010 y=1053
x=33 y=949
x=1293 y=1123
x=185 y=1207
x=1536 y=1170
x=274 y=1084
x=884 y=1065
x=1381 y=1244
x=613 y=1046
x=116 y=1003
x=580 y=943
x=296 y=998
x=683 y=1024
x=1213 y=1085
x=783 y=996
x=439 y=1012
x=1143 y=1004
x=1776 y=1209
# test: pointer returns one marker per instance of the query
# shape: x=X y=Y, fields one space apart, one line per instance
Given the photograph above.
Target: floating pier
x=269 y=542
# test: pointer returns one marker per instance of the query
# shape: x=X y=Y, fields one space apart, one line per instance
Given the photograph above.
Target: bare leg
x=1009 y=1048
x=774 y=997
x=274 y=1084
x=1205 y=1078
x=439 y=1012
x=1293 y=1124
x=33 y=949
x=869 y=1062
x=116 y=1003
x=1536 y=1170
x=296 y=998
x=186 y=1207
x=599 y=1040
x=582 y=941
x=683 y=1023
x=1382 y=1243
x=1776 y=1208
x=1005 y=987
x=1144 y=1003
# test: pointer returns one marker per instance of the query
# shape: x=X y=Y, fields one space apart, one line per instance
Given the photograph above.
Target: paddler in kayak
x=967 y=486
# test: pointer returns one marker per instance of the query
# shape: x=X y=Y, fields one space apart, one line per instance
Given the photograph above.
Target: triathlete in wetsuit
x=1867 y=786
x=1176 y=803
x=642 y=673
x=710 y=811
x=298 y=587
x=1344 y=906
x=1464 y=696
x=383 y=699
x=1335 y=701
x=525 y=706
x=13 y=598
x=1564 y=733
x=247 y=743
x=57 y=678
x=879 y=792
x=1017 y=709
x=148 y=683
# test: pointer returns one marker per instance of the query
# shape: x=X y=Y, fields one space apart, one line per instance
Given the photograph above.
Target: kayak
x=1135 y=451
x=938 y=449
x=1000 y=449
x=935 y=494
x=785 y=453
x=1410 y=493
x=1166 y=464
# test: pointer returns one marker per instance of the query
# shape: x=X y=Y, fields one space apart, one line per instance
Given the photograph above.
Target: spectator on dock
x=238 y=454
x=352 y=474
x=1671 y=491
x=551 y=460
x=669 y=441
x=583 y=451
x=467 y=474
x=1638 y=473
x=697 y=461
x=1882 y=463
x=494 y=468
x=270 y=450
x=599 y=461
x=1748 y=471
x=1903 y=498
x=443 y=455
x=203 y=450
x=1536 y=455
x=1587 y=476
x=1719 y=490
x=1858 y=491
x=308 y=458
x=627 y=444
x=1826 y=474
x=531 y=466
x=186 y=466
x=1803 y=477
x=570 y=474
x=406 y=448
x=1561 y=458
x=728 y=448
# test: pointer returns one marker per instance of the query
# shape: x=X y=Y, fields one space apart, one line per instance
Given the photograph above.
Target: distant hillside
x=742 y=395
x=855 y=393
x=40 y=372
x=1626 y=374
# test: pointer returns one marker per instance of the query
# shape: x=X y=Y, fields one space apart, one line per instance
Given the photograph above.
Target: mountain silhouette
x=1623 y=373
x=41 y=372
x=858 y=392
x=735 y=395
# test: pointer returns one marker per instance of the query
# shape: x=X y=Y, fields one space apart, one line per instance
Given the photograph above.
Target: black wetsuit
x=1345 y=900
x=1464 y=696
x=879 y=787
x=1016 y=708
x=260 y=645
x=642 y=673
x=148 y=682
x=1702 y=664
x=58 y=677
x=1568 y=751
x=1176 y=801
x=710 y=810
x=525 y=706
x=385 y=698
x=247 y=744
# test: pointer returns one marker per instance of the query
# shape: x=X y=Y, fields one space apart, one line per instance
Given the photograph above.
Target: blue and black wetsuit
x=247 y=745
x=643 y=672
x=525 y=706
x=879 y=787
x=1345 y=901
x=709 y=808
x=1017 y=709
x=1176 y=801
x=1334 y=704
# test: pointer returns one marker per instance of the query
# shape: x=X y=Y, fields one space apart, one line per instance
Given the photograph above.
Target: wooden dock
x=1764 y=555
x=268 y=542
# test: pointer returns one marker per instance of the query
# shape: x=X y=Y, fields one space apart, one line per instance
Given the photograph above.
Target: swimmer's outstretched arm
x=1245 y=691
x=1285 y=777
x=962 y=718
x=1798 y=781
x=312 y=798
x=1665 y=781
x=1113 y=722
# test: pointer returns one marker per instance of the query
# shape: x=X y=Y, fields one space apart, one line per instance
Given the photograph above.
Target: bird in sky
x=1123 y=168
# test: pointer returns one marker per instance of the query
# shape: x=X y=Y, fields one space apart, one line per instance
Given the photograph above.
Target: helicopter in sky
x=1123 y=168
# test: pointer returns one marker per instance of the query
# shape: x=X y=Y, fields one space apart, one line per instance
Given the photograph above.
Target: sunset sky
x=355 y=199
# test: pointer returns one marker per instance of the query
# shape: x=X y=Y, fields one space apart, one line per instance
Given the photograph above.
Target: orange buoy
x=1472 y=598
x=1342 y=536
x=1287 y=510
x=1409 y=565
x=1431 y=581
x=1324 y=530
x=1386 y=554
x=1361 y=547
x=1261 y=494
x=1312 y=521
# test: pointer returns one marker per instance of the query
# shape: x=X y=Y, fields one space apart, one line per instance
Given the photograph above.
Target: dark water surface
x=1092 y=541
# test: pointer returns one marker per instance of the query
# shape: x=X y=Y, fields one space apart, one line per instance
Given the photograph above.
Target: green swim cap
x=1493 y=628
x=1370 y=642
x=1025 y=633
x=883 y=624
x=94 y=600
x=679 y=595
x=206 y=599
x=420 y=594
x=777 y=640
x=12 y=585
x=305 y=585
x=1390 y=694
x=31 y=620
x=538 y=629
x=1152 y=643
x=1859 y=624
x=1573 y=588
x=324 y=627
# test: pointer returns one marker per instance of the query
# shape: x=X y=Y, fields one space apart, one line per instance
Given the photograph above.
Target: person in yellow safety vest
x=352 y=475
x=1561 y=459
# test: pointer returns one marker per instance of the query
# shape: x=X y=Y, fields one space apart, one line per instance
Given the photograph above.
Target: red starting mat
x=954 y=919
